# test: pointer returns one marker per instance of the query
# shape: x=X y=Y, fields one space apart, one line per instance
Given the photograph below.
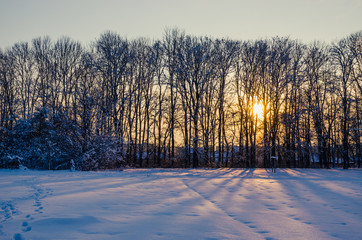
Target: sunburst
x=258 y=110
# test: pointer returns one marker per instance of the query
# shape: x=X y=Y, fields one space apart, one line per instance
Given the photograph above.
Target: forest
x=182 y=101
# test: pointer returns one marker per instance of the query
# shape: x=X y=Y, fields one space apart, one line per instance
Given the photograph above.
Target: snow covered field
x=181 y=204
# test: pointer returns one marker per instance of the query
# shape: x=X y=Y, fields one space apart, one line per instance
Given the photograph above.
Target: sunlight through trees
x=182 y=101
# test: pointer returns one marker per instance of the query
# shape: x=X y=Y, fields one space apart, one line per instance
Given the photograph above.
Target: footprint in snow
x=247 y=222
x=1 y=232
x=25 y=227
x=18 y=236
x=8 y=211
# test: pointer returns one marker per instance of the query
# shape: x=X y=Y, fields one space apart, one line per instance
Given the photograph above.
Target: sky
x=85 y=20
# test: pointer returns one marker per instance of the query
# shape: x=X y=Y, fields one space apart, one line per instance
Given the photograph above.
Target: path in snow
x=181 y=204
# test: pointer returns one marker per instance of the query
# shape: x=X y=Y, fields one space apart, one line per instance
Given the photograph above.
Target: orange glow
x=258 y=110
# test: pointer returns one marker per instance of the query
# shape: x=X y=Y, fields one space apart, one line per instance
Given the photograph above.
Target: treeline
x=182 y=101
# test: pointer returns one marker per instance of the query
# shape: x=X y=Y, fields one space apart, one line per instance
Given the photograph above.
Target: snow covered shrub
x=12 y=161
x=54 y=142
x=103 y=153
x=42 y=143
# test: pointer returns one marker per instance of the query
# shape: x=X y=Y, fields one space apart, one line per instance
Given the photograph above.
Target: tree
x=223 y=57
x=248 y=83
x=112 y=58
x=318 y=77
x=42 y=48
x=343 y=59
x=172 y=42
x=356 y=49
x=27 y=84
x=67 y=55
x=278 y=69
x=194 y=66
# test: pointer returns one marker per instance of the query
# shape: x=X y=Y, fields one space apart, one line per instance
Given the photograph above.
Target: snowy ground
x=181 y=204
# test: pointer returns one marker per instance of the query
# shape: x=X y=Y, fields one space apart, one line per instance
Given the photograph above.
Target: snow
x=181 y=204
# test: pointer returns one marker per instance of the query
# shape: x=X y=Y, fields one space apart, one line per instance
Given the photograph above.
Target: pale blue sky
x=84 y=20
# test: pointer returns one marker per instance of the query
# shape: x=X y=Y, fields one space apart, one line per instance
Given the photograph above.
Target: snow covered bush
x=41 y=143
x=103 y=153
x=55 y=143
x=12 y=161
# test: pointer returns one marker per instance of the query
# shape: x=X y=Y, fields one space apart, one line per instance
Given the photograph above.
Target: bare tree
x=24 y=68
x=67 y=54
x=7 y=90
x=171 y=44
x=293 y=108
x=112 y=58
x=224 y=52
x=248 y=83
x=278 y=69
x=343 y=58
x=356 y=49
x=44 y=68
x=194 y=61
x=318 y=77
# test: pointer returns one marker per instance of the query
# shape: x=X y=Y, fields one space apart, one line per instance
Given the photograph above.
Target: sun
x=258 y=110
